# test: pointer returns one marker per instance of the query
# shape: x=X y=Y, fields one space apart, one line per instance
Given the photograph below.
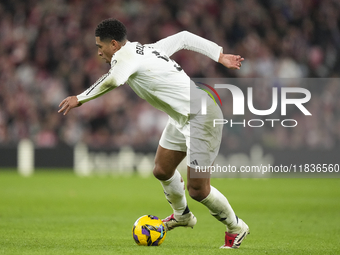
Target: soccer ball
x=148 y=230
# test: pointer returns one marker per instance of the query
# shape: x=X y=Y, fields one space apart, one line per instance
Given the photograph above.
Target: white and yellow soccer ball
x=148 y=230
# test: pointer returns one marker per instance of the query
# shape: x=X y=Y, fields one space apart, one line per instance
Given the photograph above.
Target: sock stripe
x=187 y=210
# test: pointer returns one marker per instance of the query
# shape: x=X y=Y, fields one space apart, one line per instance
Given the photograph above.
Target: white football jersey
x=150 y=72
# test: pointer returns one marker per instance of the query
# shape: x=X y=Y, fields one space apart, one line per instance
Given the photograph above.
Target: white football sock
x=220 y=208
x=174 y=191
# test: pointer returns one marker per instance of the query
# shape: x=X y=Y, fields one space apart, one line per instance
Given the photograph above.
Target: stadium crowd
x=48 y=52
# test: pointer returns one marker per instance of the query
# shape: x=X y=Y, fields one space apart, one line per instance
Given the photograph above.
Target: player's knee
x=160 y=173
x=197 y=193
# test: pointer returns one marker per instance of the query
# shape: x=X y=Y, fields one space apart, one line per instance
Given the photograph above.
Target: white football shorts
x=198 y=138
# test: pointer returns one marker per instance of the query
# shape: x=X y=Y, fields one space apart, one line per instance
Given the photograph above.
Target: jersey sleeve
x=118 y=74
x=188 y=41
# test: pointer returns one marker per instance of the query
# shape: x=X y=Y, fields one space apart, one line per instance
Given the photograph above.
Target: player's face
x=106 y=49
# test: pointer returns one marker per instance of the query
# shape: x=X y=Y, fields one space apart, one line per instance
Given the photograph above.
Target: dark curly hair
x=111 y=29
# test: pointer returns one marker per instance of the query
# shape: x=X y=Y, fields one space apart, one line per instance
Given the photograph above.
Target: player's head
x=110 y=36
x=111 y=29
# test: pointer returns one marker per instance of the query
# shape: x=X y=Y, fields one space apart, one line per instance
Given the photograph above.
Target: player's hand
x=231 y=61
x=68 y=103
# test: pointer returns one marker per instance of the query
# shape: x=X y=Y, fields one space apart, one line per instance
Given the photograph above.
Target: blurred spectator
x=48 y=51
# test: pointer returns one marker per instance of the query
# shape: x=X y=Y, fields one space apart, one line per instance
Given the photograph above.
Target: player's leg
x=166 y=162
x=170 y=153
x=203 y=149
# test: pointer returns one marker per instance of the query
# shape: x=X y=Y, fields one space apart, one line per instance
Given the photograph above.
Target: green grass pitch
x=58 y=213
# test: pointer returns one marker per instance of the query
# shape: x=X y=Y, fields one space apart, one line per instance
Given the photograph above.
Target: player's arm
x=101 y=86
x=189 y=41
x=117 y=76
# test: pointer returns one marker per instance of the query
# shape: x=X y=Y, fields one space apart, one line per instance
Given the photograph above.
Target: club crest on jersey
x=114 y=62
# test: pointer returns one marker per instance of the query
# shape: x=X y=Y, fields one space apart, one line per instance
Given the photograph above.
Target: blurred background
x=48 y=52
